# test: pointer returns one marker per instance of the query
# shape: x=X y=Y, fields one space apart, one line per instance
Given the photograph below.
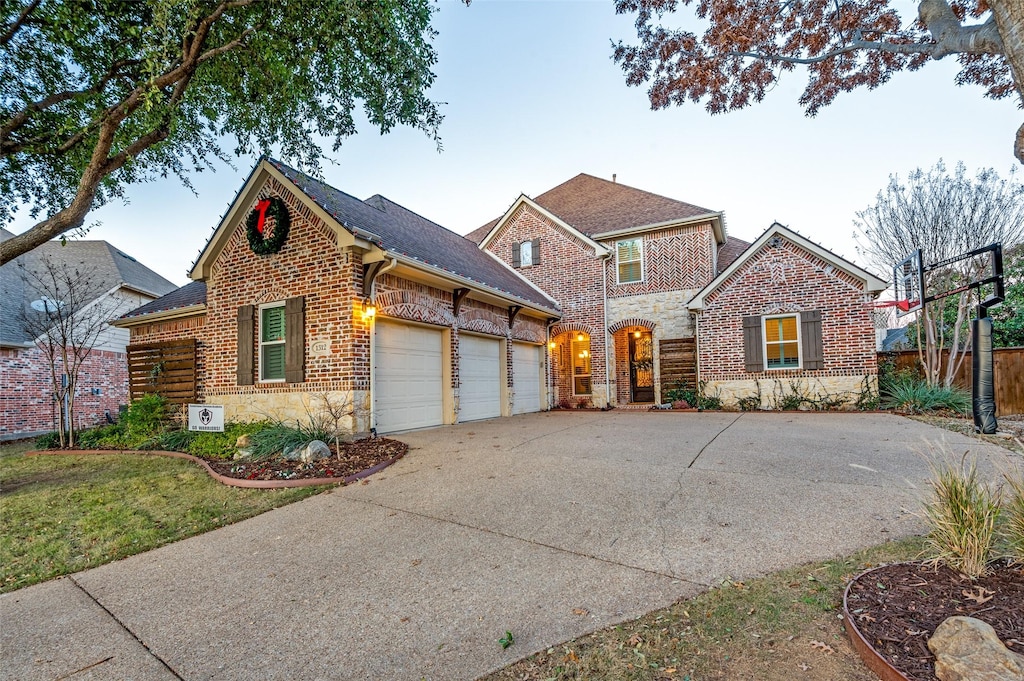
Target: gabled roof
x=191 y=296
x=398 y=231
x=872 y=283
x=597 y=207
x=108 y=267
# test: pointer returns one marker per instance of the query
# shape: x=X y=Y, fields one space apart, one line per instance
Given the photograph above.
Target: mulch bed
x=898 y=607
x=353 y=458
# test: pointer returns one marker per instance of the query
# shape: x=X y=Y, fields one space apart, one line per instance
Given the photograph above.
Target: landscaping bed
x=896 y=608
x=353 y=458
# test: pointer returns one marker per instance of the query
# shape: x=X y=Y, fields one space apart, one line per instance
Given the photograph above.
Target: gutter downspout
x=373 y=327
x=604 y=330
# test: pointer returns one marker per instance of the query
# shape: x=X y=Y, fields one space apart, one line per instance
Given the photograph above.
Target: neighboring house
x=583 y=296
x=27 y=406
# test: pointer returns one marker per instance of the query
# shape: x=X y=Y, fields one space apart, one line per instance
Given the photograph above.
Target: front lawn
x=61 y=514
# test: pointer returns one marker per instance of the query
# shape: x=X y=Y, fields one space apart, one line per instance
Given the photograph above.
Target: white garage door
x=407 y=376
x=526 y=373
x=479 y=378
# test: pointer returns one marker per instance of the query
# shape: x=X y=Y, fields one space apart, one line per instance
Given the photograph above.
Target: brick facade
x=27 y=406
x=783 y=277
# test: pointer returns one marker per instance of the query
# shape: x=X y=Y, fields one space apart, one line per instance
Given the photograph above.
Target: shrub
x=695 y=397
x=915 y=395
x=48 y=441
x=275 y=439
x=749 y=403
x=97 y=438
x=1013 y=529
x=962 y=515
x=144 y=418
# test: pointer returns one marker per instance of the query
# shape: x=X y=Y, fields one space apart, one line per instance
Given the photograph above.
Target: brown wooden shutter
x=515 y=254
x=246 y=316
x=753 y=353
x=535 y=250
x=294 y=340
x=810 y=338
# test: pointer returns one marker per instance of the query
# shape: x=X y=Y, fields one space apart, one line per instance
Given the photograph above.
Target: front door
x=641 y=367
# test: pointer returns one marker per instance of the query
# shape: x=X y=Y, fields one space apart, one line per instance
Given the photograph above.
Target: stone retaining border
x=224 y=479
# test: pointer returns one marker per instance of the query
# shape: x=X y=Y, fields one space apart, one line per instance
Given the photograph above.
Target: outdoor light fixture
x=551 y=345
x=580 y=338
x=369 y=310
x=636 y=334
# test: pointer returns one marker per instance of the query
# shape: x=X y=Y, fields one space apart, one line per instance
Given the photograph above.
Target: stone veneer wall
x=781 y=278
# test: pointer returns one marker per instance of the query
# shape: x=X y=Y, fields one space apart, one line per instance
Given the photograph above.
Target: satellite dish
x=45 y=304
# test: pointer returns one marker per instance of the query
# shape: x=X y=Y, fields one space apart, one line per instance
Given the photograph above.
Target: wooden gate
x=678 y=363
x=167 y=369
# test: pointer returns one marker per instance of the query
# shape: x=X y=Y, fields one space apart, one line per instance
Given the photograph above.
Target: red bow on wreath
x=262 y=207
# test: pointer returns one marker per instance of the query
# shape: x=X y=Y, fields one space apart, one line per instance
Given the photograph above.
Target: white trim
x=872 y=284
x=523 y=199
x=161 y=316
x=643 y=270
x=764 y=341
x=259 y=346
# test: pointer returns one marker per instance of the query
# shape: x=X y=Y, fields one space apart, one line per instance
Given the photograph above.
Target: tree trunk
x=1009 y=16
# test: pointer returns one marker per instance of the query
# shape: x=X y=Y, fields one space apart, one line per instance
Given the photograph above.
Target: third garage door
x=526 y=373
x=479 y=377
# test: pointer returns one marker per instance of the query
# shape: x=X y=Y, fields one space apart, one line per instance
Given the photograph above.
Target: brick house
x=365 y=303
x=582 y=296
x=120 y=283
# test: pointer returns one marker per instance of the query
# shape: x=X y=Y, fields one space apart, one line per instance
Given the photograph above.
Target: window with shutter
x=810 y=336
x=536 y=251
x=526 y=254
x=272 y=342
x=516 y=259
x=629 y=261
x=246 y=316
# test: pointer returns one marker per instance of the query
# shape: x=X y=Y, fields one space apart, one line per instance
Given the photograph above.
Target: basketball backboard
x=908 y=279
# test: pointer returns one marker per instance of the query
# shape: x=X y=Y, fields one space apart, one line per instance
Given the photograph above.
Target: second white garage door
x=406 y=376
x=526 y=373
x=479 y=378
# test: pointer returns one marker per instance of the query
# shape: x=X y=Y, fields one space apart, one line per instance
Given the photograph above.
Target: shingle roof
x=108 y=267
x=403 y=232
x=729 y=251
x=190 y=294
x=593 y=206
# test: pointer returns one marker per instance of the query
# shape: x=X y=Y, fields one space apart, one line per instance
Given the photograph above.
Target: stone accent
x=294 y=407
x=968 y=649
x=771 y=390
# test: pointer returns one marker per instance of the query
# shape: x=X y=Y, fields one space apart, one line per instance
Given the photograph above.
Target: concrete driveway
x=512 y=524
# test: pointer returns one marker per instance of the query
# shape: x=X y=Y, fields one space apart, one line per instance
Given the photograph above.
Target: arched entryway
x=634 y=361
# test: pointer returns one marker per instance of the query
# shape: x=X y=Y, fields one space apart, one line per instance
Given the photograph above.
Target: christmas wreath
x=256 y=226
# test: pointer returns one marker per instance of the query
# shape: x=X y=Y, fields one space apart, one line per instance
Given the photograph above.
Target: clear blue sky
x=533 y=98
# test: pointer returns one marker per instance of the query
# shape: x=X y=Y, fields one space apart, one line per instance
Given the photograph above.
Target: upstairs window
x=272 y=342
x=526 y=253
x=629 y=260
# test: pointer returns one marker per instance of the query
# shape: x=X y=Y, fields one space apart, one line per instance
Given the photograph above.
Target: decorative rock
x=290 y=453
x=243 y=453
x=967 y=649
x=314 y=451
x=243 y=441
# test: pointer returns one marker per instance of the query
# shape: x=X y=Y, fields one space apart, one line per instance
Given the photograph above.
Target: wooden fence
x=678 y=357
x=167 y=369
x=1008 y=366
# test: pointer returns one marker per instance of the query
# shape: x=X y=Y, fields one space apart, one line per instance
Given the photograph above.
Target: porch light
x=636 y=334
x=551 y=345
x=369 y=310
x=579 y=338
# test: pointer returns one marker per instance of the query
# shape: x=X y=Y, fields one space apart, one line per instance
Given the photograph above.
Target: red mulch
x=898 y=607
x=354 y=457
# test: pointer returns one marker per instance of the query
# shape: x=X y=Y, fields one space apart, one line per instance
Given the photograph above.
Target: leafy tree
x=845 y=44
x=99 y=94
x=946 y=215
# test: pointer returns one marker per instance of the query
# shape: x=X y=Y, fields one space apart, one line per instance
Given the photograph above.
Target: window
x=581 y=365
x=629 y=259
x=272 y=342
x=782 y=342
x=526 y=253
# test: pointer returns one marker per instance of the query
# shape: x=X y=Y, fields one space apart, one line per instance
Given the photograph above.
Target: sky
x=533 y=98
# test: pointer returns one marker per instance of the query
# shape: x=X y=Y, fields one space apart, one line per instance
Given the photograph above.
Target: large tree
x=843 y=43
x=98 y=94
x=946 y=215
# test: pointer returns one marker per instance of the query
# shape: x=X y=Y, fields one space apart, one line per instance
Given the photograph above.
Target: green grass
x=62 y=514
